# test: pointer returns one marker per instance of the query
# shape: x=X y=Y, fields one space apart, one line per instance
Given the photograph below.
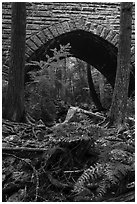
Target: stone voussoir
x=72 y=25
x=111 y=36
x=66 y=27
x=48 y=34
x=31 y=45
x=99 y=30
x=93 y=28
x=36 y=39
x=104 y=32
x=115 y=40
x=42 y=36
x=80 y=23
x=53 y=30
x=59 y=28
x=28 y=51
x=87 y=26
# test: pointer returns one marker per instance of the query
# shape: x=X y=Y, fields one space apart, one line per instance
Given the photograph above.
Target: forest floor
x=76 y=160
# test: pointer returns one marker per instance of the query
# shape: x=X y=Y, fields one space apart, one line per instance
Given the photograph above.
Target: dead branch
x=57 y=183
x=23 y=149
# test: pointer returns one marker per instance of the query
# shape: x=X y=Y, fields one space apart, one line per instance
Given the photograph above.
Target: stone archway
x=100 y=42
x=49 y=33
x=43 y=36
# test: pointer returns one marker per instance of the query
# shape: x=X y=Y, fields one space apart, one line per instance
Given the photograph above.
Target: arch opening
x=88 y=47
x=85 y=46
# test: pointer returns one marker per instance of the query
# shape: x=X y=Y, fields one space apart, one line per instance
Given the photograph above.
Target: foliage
x=67 y=79
x=113 y=171
x=72 y=161
x=51 y=70
x=42 y=91
x=103 y=177
x=59 y=78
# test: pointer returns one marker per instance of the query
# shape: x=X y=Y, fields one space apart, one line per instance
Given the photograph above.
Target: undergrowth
x=112 y=172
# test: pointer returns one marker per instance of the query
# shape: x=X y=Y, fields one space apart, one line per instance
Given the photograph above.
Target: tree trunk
x=101 y=87
x=117 y=112
x=93 y=93
x=14 y=104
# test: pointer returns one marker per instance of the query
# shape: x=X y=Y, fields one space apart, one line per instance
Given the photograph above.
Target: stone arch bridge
x=90 y=41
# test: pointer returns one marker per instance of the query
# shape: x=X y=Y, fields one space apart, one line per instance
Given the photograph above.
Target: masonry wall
x=43 y=14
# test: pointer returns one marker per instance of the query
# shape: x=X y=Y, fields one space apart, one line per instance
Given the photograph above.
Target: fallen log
x=72 y=110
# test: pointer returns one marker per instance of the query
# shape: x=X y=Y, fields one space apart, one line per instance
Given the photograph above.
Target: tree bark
x=14 y=104
x=117 y=114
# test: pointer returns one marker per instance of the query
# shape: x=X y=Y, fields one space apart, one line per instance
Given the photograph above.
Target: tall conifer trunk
x=118 y=108
x=14 y=103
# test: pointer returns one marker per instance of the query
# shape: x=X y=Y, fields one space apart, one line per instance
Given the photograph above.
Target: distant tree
x=117 y=114
x=101 y=87
x=92 y=90
x=14 y=103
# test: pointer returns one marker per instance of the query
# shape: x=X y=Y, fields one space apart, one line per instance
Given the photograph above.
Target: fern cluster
x=89 y=176
x=114 y=170
x=102 y=178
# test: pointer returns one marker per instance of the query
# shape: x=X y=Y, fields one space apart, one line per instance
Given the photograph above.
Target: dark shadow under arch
x=90 y=48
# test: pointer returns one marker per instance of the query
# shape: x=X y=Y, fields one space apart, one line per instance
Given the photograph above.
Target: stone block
x=30 y=46
x=59 y=28
x=115 y=39
x=104 y=33
x=28 y=51
x=93 y=28
x=87 y=26
x=36 y=40
x=72 y=25
x=66 y=27
x=53 y=30
x=42 y=36
x=99 y=29
x=48 y=34
x=111 y=36
x=80 y=23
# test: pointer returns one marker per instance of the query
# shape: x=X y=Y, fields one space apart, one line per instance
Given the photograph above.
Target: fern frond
x=101 y=190
x=116 y=172
x=107 y=175
x=130 y=148
x=120 y=155
x=90 y=175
